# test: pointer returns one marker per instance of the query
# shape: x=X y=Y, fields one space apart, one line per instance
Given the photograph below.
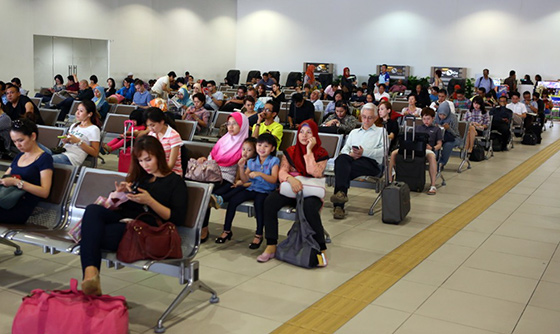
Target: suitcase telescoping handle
x=412 y=129
x=129 y=127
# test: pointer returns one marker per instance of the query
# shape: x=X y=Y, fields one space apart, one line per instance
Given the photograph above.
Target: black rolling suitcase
x=396 y=202
x=410 y=163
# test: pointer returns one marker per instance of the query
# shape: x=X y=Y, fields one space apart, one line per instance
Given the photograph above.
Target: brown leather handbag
x=208 y=171
x=142 y=241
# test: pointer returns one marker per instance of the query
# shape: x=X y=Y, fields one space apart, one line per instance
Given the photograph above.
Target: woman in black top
x=277 y=95
x=110 y=90
x=422 y=96
x=392 y=126
x=160 y=192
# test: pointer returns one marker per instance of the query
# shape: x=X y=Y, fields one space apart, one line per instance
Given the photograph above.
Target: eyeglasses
x=17 y=124
x=267 y=109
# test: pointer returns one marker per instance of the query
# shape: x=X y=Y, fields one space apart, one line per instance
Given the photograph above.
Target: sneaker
x=339 y=198
x=338 y=213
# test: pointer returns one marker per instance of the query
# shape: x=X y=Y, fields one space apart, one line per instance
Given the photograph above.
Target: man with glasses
x=266 y=123
x=214 y=98
x=361 y=155
x=20 y=106
x=235 y=102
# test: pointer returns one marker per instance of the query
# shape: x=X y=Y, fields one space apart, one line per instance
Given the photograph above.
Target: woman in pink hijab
x=227 y=153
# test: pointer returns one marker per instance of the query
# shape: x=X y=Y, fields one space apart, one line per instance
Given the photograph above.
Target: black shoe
x=220 y=240
x=253 y=245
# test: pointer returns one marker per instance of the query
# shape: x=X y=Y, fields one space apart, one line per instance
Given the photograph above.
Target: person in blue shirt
x=128 y=90
x=142 y=97
x=485 y=81
x=384 y=76
x=260 y=177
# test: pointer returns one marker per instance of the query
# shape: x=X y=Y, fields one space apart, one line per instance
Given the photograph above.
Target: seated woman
x=196 y=89
x=306 y=158
x=478 y=120
x=160 y=192
x=250 y=112
x=277 y=94
x=411 y=109
x=82 y=138
x=158 y=124
x=227 y=153
x=446 y=119
x=34 y=168
x=197 y=112
x=100 y=103
x=111 y=87
x=261 y=91
x=340 y=121
x=392 y=125
x=338 y=96
x=184 y=99
x=58 y=87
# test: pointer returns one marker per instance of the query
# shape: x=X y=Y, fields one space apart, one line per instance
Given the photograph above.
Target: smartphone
x=134 y=188
x=61 y=137
x=356 y=147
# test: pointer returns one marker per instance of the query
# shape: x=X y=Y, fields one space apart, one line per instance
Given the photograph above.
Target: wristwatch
x=20 y=184
x=80 y=142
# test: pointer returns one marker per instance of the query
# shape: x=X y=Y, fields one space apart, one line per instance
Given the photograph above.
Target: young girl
x=140 y=125
x=169 y=138
x=82 y=138
x=248 y=151
x=262 y=172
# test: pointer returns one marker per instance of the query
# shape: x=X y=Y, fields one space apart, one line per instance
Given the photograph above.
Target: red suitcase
x=125 y=154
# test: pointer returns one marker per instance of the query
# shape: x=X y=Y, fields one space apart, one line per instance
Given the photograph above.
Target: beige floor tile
x=491 y=284
x=406 y=228
x=418 y=324
x=281 y=302
x=538 y=320
x=484 y=224
x=231 y=261
x=215 y=319
x=451 y=254
x=552 y=272
x=472 y=310
x=8 y=308
x=405 y=296
x=370 y=240
x=529 y=232
x=468 y=238
x=353 y=259
x=322 y=280
x=547 y=295
x=507 y=264
x=374 y=319
x=431 y=272
x=523 y=247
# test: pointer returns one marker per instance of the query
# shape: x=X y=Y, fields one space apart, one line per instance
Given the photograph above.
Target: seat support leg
x=7 y=242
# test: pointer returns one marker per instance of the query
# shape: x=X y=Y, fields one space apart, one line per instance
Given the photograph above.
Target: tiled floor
x=501 y=274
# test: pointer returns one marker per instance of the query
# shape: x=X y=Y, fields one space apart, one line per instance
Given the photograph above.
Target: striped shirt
x=171 y=139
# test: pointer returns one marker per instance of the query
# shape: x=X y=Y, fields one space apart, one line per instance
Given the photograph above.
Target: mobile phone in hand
x=355 y=147
x=134 y=188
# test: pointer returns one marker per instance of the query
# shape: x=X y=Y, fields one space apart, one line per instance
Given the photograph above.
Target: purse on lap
x=312 y=186
x=142 y=241
x=10 y=196
x=208 y=171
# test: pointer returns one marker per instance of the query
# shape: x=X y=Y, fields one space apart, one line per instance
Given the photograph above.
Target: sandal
x=432 y=190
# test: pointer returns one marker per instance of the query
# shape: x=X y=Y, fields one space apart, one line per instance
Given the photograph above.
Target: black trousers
x=311 y=209
x=64 y=107
x=240 y=197
x=503 y=129
x=101 y=230
x=347 y=168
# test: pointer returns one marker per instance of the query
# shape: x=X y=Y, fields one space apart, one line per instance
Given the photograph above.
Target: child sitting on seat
x=435 y=142
x=262 y=172
x=116 y=143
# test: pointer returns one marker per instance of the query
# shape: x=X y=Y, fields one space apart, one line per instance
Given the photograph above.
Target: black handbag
x=299 y=248
x=477 y=153
x=10 y=196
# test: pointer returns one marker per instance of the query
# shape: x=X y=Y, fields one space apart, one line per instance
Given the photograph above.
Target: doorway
x=66 y=56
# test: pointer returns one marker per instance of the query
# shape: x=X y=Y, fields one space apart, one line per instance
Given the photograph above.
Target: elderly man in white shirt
x=314 y=98
x=362 y=154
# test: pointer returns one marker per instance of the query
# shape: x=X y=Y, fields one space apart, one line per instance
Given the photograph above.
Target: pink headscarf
x=227 y=150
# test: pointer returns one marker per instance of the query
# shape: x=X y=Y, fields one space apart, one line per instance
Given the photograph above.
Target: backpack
x=477 y=153
x=529 y=139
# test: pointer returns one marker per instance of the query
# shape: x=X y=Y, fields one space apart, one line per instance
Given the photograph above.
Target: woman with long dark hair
x=159 y=192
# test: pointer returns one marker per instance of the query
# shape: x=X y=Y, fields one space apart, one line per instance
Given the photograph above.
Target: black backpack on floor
x=529 y=139
x=477 y=153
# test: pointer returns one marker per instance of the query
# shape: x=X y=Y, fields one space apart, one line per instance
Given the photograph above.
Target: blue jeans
x=61 y=159
x=446 y=150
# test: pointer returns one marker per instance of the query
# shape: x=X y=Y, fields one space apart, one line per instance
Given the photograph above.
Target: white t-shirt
x=75 y=153
x=451 y=106
x=318 y=104
x=517 y=108
x=158 y=86
x=378 y=96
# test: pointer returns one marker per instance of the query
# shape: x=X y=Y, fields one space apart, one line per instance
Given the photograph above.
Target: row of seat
x=55 y=216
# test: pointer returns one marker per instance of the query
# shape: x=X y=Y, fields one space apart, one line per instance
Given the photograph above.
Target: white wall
x=498 y=34
x=148 y=37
